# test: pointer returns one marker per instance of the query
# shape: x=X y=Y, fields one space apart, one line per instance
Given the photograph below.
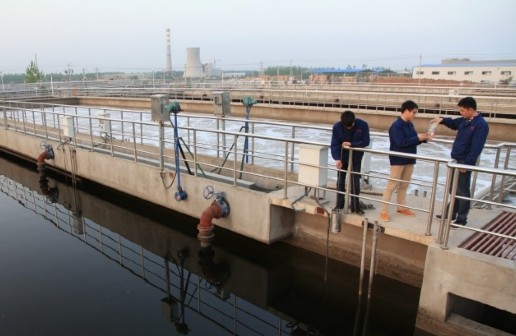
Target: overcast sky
x=130 y=35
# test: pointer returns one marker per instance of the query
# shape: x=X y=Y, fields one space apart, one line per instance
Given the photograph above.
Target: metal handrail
x=446 y=223
x=46 y=124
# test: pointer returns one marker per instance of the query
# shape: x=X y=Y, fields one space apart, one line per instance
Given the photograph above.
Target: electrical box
x=221 y=103
x=158 y=103
x=104 y=124
x=309 y=157
x=67 y=126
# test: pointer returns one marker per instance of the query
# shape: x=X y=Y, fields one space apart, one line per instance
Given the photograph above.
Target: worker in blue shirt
x=403 y=138
x=349 y=132
x=472 y=130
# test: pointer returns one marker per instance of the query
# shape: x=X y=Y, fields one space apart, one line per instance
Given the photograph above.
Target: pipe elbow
x=42 y=157
x=213 y=211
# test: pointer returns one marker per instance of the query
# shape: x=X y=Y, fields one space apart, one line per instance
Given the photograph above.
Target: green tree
x=33 y=74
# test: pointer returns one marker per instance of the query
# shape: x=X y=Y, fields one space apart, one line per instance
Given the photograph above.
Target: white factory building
x=488 y=72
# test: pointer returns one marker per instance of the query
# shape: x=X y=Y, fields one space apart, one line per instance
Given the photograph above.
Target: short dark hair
x=468 y=102
x=347 y=118
x=408 y=105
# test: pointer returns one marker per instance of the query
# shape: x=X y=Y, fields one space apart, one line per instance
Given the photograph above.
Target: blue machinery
x=175 y=108
x=248 y=103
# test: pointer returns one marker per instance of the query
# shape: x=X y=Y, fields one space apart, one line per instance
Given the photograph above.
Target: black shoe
x=460 y=222
x=439 y=217
x=358 y=211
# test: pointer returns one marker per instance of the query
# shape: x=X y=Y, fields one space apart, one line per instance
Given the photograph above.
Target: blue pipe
x=180 y=195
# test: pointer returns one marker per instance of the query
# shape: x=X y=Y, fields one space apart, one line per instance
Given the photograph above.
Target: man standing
x=405 y=139
x=346 y=133
x=472 y=131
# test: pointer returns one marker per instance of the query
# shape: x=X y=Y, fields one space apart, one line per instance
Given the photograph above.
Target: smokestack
x=193 y=67
x=169 y=54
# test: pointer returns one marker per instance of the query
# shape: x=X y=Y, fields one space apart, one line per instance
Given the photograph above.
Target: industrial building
x=486 y=72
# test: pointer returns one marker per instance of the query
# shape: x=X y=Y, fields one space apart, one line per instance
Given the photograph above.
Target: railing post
x=293 y=136
x=134 y=143
x=122 y=118
x=349 y=179
x=44 y=122
x=445 y=202
x=195 y=151
x=24 y=119
x=252 y=143
x=235 y=160
x=141 y=128
x=432 y=199
x=493 y=180
x=218 y=137
x=505 y=167
x=285 y=196
x=5 y=117
x=444 y=244
x=161 y=145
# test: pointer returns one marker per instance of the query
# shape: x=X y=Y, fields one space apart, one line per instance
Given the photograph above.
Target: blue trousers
x=354 y=185
x=461 y=207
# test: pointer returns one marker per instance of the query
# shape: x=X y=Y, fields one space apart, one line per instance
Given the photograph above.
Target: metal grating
x=504 y=223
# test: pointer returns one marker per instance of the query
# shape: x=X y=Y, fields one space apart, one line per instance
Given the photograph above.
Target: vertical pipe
x=134 y=143
x=293 y=135
x=90 y=129
x=218 y=137
x=122 y=118
x=444 y=245
x=252 y=143
x=505 y=166
x=285 y=172
x=432 y=199
x=161 y=149
x=235 y=160
x=446 y=200
x=349 y=180
x=24 y=119
x=44 y=122
x=141 y=128
x=224 y=137
x=372 y=266
x=195 y=151
x=365 y=223
x=372 y=271
x=34 y=122
x=493 y=181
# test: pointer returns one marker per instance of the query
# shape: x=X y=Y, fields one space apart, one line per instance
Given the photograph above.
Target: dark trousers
x=354 y=185
x=461 y=207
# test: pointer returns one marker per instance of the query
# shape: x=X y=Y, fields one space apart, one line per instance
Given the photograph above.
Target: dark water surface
x=95 y=262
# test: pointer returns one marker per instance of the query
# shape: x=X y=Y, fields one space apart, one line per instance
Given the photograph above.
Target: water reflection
x=237 y=286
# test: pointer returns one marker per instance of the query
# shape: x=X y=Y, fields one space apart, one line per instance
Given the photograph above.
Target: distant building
x=463 y=69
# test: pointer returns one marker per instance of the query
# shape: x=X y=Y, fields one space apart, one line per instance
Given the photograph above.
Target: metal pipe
x=444 y=245
x=432 y=200
x=493 y=179
x=161 y=145
x=349 y=179
x=444 y=204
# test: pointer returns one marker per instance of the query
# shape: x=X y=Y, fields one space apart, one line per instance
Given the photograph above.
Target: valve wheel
x=208 y=192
